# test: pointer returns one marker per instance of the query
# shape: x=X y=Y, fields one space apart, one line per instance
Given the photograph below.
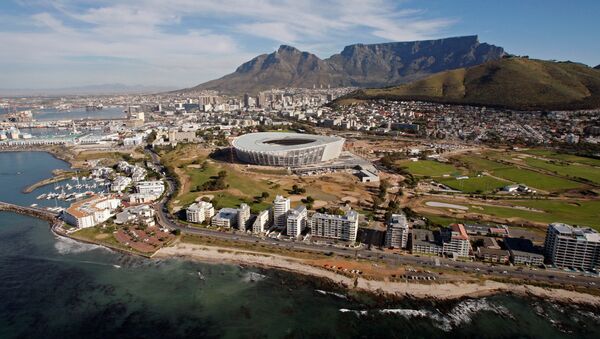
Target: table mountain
x=511 y=82
x=360 y=65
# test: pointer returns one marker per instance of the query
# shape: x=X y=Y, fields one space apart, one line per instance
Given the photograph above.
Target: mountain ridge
x=511 y=82
x=360 y=65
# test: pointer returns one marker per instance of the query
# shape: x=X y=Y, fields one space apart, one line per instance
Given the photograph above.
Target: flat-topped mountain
x=360 y=65
x=511 y=82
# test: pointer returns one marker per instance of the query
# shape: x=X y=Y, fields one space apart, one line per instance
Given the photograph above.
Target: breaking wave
x=339 y=295
x=69 y=246
x=460 y=314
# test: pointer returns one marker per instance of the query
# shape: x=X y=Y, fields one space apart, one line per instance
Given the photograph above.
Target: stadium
x=287 y=149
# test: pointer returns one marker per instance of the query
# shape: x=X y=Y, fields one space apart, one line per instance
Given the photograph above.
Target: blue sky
x=178 y=43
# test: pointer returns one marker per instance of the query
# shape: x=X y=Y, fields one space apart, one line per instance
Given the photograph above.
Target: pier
x=32 y=211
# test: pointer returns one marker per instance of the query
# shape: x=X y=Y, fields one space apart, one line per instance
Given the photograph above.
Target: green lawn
x=246 y=187
x=563 y=157
x=429 y=168
x=585 y=213
x=536 y=180
x=482 y=183
x=479 y=164
x=573 y=170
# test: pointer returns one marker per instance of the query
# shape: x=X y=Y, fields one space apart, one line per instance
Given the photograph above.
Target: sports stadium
x=287 y=149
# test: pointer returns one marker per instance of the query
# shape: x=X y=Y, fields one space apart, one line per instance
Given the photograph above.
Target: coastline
x=436 y=291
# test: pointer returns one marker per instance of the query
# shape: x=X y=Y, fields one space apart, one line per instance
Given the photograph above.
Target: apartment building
x=281 y=206
x=396 y=235
x=91 y=212
x=343 y=227
x=573 y=247
x=296 y=221
x=243 y=216
x=199 y=212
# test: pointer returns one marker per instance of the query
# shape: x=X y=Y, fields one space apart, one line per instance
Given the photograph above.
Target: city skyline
x=183 y=43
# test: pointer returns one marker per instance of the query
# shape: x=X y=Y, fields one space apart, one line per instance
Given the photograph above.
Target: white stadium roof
x=281 y=141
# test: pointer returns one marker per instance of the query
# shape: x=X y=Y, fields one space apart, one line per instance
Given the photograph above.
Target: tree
x=377 y=201
x=222 y=174
x=264 y=195
x=384 y=185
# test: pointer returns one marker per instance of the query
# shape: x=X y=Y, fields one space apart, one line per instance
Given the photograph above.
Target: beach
x=438 y=291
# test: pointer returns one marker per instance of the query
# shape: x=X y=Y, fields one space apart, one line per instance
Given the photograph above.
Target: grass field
x=475 y=184
x=518 y=175
x=586 y=213
x=563 y=157
x=536 y=180
x=429 y=168
x=478 y=164
x=571 y=170
x=241 y=188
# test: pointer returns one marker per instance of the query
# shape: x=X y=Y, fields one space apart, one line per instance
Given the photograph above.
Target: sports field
x=518 y=175
x=475 y=184
x=429 y=168
x=536 y=180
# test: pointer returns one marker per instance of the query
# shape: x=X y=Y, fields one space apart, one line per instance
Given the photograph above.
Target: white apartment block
x=343 y=227
x=281 y=206
x=572 y=247
x=456 y=241
x=226 y=217
x=199 y=212
x=154 y=187
x=139 y=198
x=397 y=233
x=296 y=221
x=261 y=222
x=91 y=212
x=120 y=183
x=243 y=216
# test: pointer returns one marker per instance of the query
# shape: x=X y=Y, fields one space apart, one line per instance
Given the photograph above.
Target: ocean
x=53 y=287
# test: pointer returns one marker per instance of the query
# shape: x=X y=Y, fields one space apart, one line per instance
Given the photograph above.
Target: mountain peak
x=597 y=67
x=288 y=49
x=360 y=65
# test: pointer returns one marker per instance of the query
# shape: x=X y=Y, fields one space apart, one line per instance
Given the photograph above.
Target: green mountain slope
x=516 y=83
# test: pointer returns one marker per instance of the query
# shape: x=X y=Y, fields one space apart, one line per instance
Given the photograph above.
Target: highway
x=424 y=262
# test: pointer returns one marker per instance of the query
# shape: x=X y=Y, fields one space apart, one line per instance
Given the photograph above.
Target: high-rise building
x=456 y=241
x=343 y=227
x=396 y=235
x=243 y=216
x=199 y=212
x=573 y=247
x=281 y=206
x=261 y=222
x=296 y=221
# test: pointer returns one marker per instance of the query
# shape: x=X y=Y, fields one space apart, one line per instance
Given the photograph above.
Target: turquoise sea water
x=57 y=288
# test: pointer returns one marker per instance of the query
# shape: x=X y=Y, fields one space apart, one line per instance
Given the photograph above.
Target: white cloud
x=193 y=41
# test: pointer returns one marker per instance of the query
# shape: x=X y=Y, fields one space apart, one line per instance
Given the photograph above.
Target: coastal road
x=498 y=271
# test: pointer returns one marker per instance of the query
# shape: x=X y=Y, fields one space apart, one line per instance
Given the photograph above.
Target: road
x=498 y=271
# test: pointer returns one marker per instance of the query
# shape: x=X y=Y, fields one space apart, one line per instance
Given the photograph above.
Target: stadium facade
x=287 y=149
